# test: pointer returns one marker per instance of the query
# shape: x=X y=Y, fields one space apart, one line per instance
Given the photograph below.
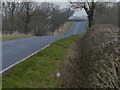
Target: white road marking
x=76 y=28
x=22 y=59
x=30 y=55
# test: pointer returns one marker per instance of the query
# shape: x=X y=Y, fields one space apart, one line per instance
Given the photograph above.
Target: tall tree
x=119 y=14
x=9 y=11
x=26 y=11
x=89 y=7
x=30 y=17
x=42 y=17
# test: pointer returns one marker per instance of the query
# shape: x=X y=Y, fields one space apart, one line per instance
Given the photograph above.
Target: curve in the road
x=15 y=51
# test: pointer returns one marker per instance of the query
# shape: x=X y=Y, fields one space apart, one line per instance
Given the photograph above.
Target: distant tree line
x=38 y=18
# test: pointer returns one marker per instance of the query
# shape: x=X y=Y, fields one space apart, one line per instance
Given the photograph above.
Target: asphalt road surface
x=15 y=51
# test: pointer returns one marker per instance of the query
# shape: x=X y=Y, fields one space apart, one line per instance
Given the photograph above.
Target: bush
x=93 y=60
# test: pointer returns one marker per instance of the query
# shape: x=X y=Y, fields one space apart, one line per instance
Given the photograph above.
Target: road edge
x=23 y=59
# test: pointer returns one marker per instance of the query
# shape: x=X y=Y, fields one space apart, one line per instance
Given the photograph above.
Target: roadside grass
x=86 y=27
x=39 y=71
x=65 y=28
x=11 y=37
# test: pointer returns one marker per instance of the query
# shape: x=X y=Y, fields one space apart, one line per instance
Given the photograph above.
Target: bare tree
x=59 y=17
x=38 y=18
x=26 y=11
x=42 y=17
x=119 y=14
x=9 y=11
x=88 y=6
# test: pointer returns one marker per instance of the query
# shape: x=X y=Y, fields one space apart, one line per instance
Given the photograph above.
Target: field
x=39 y=71
x=11 y=37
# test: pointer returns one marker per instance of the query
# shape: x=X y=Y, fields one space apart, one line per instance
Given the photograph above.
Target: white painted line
x=29 y=55
x=23 y=59
x=76 y=28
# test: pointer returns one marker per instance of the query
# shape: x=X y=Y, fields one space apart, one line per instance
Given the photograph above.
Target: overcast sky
x=63 y=4
x=66 y=4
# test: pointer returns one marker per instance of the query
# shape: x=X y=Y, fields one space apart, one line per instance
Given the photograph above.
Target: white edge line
x=76 y=28
x=23 y=59
x=28 y=56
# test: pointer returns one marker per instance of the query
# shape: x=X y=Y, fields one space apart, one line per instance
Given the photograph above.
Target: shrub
x=93 y=60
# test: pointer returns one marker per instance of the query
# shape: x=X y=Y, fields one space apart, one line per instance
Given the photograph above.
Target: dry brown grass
x=94 y=60
x=15 y=35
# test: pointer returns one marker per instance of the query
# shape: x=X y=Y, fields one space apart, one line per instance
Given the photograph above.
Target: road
x=15 y=51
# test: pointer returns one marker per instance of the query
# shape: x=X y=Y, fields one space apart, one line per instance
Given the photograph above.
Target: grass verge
x=39 y=71
x=11 y=37
x=86 y=27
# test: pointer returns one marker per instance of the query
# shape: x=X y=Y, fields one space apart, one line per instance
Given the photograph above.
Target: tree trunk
x=12 y=23
x=27 y=21
x=91 y=14
x=90 y=20
x=119 y=14
x=27 y=24
x=52 y=33
x=26 y=28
